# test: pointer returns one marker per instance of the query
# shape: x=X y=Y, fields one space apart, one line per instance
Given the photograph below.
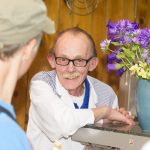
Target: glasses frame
x=73 y=61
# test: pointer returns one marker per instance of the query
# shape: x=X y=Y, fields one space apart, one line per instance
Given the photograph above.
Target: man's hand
x=125 y=113
x=120 y=115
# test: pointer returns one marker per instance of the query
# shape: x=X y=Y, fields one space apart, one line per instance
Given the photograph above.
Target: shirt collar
x=8 y=106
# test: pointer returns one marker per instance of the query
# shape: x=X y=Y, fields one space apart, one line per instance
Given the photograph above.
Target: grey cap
x=21 y=20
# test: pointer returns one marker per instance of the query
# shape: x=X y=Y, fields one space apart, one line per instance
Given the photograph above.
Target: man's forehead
x=75 y=44
x=72 y=37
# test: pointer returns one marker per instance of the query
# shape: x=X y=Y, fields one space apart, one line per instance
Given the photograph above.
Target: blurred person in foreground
x=22 y=23
x=67 y=98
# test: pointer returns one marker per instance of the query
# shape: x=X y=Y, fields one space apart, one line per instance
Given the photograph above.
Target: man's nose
x=71 y=66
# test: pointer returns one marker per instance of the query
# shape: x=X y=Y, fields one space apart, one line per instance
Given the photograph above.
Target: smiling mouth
x=71 y=75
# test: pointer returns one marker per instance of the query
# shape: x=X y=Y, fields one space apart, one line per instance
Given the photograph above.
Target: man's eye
x=63 y=59
x=79 y=60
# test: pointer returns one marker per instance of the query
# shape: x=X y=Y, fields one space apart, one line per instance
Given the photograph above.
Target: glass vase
x=127 y=90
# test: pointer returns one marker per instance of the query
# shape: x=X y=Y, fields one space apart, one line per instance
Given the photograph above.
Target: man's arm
x=54 y=118
x=120 y=115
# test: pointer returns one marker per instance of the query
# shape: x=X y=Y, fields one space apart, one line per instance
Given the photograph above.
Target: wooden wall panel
x=143 y=15
x=98 y=32
x=65 y=17
x=94 y=23
x=20 y=99
x=117 y=10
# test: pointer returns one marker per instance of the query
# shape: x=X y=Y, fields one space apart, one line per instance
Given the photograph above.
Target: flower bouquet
x=129 y=48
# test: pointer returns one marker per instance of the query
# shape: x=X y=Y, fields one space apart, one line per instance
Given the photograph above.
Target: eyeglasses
x=76 y=62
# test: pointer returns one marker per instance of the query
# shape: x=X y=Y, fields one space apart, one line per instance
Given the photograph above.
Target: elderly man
x=21 y=25
x=65 y=99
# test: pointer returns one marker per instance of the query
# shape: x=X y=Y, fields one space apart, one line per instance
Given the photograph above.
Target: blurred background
x=92 y=16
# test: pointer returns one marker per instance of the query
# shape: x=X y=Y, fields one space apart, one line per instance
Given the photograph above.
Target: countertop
x=118 y=135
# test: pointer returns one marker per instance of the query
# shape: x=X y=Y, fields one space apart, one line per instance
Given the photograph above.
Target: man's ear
x=51 y=60
x=93 y=63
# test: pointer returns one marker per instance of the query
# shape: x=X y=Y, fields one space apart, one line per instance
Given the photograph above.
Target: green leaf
x=119 y=66
x=135 y=47
x=115 y=43
x=120 y=55
x=128 y=53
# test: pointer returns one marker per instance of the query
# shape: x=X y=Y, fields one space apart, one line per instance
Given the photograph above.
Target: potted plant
x=128 y=49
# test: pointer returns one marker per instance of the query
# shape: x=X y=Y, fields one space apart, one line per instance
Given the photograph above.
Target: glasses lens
x=62 y=61
x=80 y=62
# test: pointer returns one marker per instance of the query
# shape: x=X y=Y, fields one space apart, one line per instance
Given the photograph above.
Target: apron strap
x=85 y=103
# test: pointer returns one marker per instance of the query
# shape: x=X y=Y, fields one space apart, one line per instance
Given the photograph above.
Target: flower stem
x=111 y=50
x=125 y=63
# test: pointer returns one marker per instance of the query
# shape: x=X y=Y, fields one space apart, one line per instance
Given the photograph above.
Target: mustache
x=71 y=75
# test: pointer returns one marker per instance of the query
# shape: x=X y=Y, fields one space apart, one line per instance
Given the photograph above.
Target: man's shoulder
x=105 y=94
x=46 y=77
x=97 y=84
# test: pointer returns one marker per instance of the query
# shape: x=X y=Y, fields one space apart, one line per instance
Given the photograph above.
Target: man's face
x=72 y=47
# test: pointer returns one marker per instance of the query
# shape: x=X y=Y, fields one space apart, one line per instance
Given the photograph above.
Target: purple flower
x=111 y=57
x=118 y=60
x=111 y=28
x=114 y=66
x=126 y=39
x=120 y=71
x=125 y=26
x=122 y=30
x=136 y=40
x=104 y=44
x=145 y=53
x=148 y=60
x=144 y=37
x=111 y=67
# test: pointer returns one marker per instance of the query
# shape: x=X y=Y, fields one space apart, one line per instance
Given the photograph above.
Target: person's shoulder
x=11 y=135
x=102 y=89
x=43 y=75
x=44 y=80
x=47 y=77
x=105 y=94
x=99 y=84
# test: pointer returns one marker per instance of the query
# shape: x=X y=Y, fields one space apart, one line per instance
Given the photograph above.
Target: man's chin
x=70 y=85
x=71 y=78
